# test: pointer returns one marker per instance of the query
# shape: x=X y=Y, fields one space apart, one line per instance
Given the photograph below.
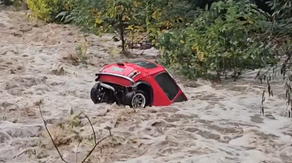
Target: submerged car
x=137 y=84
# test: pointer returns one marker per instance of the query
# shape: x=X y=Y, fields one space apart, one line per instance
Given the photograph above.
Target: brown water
x=219 y=124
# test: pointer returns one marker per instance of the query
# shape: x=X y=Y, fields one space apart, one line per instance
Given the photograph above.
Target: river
x=218 y=124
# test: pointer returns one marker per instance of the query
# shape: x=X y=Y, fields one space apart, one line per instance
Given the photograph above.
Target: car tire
x=134 y=99
x=94 y=93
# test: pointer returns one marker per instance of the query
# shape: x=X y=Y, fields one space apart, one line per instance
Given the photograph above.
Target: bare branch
x=45 y=123
x=94 y=135
x=90 y=152
x=95 y=140
x=262 y=103
x=76 y=156
x=96 y=143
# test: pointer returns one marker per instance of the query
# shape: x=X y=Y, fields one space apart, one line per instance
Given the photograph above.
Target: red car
x=137 y=84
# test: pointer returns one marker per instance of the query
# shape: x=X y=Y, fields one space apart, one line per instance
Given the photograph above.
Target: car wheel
x=136 y=99
x=94 y=93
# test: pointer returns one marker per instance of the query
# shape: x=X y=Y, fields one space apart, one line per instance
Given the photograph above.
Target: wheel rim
x=138 y=100
x=99 y=94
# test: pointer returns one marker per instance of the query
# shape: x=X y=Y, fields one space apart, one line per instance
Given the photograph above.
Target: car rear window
x=167 y=85
x=145 y=64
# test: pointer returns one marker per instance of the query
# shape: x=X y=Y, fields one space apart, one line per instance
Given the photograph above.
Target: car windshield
x=167 y=85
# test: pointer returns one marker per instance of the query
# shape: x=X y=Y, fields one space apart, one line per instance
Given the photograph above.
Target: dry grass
x=60 y=137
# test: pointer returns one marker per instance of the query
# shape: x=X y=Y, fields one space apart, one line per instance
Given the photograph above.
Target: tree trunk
x=123 y=38
x=24 y=5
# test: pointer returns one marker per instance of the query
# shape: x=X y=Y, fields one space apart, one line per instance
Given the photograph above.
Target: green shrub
x=48 y=9
x=217 y=41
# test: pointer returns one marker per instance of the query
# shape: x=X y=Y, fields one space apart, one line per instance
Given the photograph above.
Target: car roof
x=145 y=64
x=148 y=66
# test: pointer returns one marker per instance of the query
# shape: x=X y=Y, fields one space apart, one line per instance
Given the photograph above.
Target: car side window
x=167 y=85
x=180 y=98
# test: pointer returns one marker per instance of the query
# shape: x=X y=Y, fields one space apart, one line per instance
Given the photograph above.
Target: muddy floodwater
x=38 y=61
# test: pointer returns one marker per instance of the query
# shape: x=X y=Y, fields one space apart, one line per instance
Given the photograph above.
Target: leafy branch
x=282 y=69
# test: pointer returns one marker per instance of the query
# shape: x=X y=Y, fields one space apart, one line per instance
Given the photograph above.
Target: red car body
x=126 y=79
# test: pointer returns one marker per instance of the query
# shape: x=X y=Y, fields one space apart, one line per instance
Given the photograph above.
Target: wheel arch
x=146 y=88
